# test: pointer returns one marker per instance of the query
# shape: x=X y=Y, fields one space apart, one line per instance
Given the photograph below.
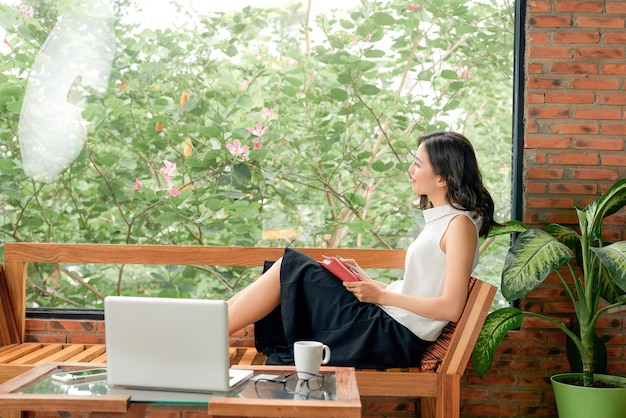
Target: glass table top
x=259 y=386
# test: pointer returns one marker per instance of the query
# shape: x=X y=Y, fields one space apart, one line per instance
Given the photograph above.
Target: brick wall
x=575 y=148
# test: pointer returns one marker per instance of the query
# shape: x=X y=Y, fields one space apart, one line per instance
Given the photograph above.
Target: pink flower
x=236 y=148
x=292 y=61
x=414 y=7
x=174 y=191
x=26 y=11
x=368 y=192
x=168 y=171
x=6 y=41
x=267 y=112
x=244 y=86
x=138 y=185
x=256 y=144
x=463 y=73
x=259 y=130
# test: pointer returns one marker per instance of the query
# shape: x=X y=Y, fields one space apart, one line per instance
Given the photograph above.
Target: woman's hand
x=367 y=290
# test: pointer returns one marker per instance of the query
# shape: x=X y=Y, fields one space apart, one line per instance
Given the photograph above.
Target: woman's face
x=424 y=181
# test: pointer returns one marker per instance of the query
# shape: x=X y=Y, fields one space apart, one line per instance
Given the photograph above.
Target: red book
x=339 y=269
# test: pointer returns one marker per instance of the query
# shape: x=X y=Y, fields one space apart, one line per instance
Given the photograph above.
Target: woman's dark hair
x=453 y=158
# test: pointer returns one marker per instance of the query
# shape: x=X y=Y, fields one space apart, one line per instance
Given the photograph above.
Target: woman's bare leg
x=255 y=301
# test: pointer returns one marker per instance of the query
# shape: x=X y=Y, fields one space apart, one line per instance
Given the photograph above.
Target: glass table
x=264 y=394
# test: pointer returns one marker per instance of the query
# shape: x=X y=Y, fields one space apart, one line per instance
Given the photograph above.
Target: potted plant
x=597 y=270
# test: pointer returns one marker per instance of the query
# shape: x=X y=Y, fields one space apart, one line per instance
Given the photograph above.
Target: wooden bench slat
x=18 y=351
x=63 y=354
x=37 y=355
x=90 y=354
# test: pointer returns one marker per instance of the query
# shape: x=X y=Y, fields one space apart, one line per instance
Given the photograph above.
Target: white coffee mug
x=309 y=355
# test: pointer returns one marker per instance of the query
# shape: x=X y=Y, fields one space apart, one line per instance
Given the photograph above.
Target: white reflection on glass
x=76 y=57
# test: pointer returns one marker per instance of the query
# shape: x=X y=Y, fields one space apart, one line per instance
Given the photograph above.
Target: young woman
x=369 y=324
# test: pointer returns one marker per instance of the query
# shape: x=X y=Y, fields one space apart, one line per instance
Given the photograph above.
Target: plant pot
x=574 y=401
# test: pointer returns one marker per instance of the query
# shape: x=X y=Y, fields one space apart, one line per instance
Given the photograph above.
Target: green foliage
x=330 y=116
x=535 y=254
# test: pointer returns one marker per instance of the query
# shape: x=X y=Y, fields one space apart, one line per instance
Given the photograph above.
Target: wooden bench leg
x=447 y=404
x=428 y=407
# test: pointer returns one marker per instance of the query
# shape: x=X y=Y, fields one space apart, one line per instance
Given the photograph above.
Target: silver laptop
x=169 y=344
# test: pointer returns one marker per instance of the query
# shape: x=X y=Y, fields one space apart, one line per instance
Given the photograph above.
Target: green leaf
x=374 y=53
x=532 y=257
x=338 y=94
x=609 y=203
x=384 y=19
x=614 y=259
x=496 y=326
x=565 y=235
x=369 y=90
x=449 y=74
x=509 y=227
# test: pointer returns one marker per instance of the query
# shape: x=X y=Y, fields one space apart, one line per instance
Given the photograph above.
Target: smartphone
x=353 y=267
x=80 y=375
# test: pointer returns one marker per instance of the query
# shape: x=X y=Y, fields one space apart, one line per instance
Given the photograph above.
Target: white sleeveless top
x=425 y=270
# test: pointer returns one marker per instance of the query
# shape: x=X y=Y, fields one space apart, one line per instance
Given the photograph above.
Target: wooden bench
x=439 y=388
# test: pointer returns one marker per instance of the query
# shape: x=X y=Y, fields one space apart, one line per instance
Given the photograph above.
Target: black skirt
x=315 y=306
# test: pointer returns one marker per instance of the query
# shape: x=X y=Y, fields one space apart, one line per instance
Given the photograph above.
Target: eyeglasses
x=295 y=383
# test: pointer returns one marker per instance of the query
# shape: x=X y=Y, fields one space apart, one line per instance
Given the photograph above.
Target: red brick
x=573 y=68
x=619 y=129
x=599 y=22
x=536 y=188
x=535 y=98
x=576 y=37
x=549 y=52
x=492 y=380
x=578 y=6
x=574 y=128
x=537 y=38
x=535 y=68
x=612 y=99
x=614 y=69
x=614 y=160
x=616 y=7
x=491 y=410
x=562 y=188
x=602 y=114
x=550 y=21
x=595 y=83
x=600 y=144
x=545 y=173
x=549 y=202
x=599 y=52
x=538 y=411
x=539 y=6
x=615 y=38
x=594 y=174
x=544 y=83
x=36 y=324
x=548 y=112
x=578 y=98
x=547 y=142
x=519 y=396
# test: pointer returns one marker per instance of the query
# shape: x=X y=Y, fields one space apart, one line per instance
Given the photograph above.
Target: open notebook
x=169 y=344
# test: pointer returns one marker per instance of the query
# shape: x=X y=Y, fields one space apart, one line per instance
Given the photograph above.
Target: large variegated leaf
x=509 y=227
x=496 y=325
x=533 y=256
x=609 y=203
x=614 y=259
x=565 y=235
x=609 y=290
